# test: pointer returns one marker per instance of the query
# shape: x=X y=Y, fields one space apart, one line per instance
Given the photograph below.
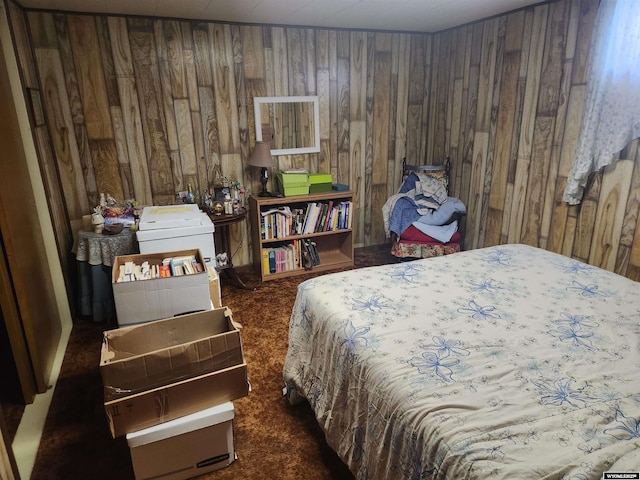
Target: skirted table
x=95 y=253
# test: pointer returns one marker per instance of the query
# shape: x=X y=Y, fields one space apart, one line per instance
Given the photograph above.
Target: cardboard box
x=288 y=179
x=162 y=404
x=142 y=357
x=186 y=447
x=171 y=368
x=214 y=287
x=146 y=300
x=292 y=184
x=319 y=182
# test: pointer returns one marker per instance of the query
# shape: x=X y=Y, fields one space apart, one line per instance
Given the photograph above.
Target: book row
x=314 y=217
x=295 y=255
x=170 y=267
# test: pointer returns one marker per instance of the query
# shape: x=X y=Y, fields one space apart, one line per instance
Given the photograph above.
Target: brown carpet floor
x=272 y=438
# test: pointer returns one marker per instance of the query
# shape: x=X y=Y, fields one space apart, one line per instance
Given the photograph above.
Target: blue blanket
x=405 y=212
x=417 y=196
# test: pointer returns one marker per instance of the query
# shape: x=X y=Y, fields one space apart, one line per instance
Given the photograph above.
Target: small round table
x=222 y=222
x=95 y=253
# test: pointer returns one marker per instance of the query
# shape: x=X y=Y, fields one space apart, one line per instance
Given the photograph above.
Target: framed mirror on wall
x=290 y=124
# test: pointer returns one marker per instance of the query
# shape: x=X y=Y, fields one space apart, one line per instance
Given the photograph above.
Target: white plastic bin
x=176 y=227
x=185 y=447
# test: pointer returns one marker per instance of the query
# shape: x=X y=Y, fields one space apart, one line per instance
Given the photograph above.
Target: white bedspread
x=503 y=362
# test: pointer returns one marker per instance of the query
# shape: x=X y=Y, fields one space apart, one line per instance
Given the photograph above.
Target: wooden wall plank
x=105 y=162
x=296 y=55
x=108 y=66
x=75 y=105
x=526 y=134
x=174 y=58
x=610 y=215
x=279 y=63
x=122 y=154
x=630 y=234
x=369 y=153
x=343 y=169
x=90 y=76
x=402 y=107
x=481 y=137
x=554 y=213
x=185 y=137
x=134 y=137
x=147 y=76
x=358 y=126
x=63 y=141
x=323 y=85
x=505 y=124
x=167 y=109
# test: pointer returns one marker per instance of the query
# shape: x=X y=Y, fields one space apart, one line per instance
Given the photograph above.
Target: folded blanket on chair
x=442 y=215
x=442 y=233
x=409 y=204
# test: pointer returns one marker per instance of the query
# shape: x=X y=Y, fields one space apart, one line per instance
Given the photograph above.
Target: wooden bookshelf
x=334 y=246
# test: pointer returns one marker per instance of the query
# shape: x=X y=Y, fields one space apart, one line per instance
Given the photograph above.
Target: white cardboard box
x=185 y=447
x=147 y=300
x=176 y=227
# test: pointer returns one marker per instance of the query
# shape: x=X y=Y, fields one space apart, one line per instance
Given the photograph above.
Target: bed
x=421 y=218
x=501 y=362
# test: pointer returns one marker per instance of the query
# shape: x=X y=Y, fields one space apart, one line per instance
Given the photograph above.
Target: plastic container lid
x=202 y=419
x=170 y=216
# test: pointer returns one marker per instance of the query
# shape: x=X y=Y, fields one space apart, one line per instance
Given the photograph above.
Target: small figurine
x=222 y=259
x=97 y=220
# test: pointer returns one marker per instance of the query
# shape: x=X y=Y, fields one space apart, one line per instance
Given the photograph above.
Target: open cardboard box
x=214 y=287
x=149 y=355
x=146 y=300
x=158 y=371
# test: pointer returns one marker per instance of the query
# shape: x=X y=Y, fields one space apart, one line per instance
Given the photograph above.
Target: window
x=611 y=116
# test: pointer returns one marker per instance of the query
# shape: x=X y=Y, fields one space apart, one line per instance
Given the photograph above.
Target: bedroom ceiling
x=394 y=15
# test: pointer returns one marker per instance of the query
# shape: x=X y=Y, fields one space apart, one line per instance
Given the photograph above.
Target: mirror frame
x=258 y=101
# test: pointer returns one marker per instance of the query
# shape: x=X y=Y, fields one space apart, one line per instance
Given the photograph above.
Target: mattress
x=501 y=362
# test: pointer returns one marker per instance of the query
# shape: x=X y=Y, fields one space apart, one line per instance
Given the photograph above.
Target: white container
x=176 y=227
x=185 y=447
x=170 y=216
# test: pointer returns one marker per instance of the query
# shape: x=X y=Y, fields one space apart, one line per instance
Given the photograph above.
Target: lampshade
x=261 y=156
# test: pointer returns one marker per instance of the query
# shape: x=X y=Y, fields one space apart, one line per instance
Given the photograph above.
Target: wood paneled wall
x=508 y=99
x=139 y=107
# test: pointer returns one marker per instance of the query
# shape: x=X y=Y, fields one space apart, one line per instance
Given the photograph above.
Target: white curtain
x=612 y=105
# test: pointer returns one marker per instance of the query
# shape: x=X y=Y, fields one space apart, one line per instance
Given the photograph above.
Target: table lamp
x=261 y=157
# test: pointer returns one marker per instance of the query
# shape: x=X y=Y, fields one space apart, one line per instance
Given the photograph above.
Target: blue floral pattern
x=482 y=364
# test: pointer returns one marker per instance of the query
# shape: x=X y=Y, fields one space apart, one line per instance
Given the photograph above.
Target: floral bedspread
x=502 y=362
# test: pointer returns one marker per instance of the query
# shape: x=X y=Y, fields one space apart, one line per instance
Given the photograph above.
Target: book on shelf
x=272 y=260
x=322 y=217
x=313 y=210
x=311 y=247
x=283 y=258
x=315 y=217
x=325 y=224
x=298 y=221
